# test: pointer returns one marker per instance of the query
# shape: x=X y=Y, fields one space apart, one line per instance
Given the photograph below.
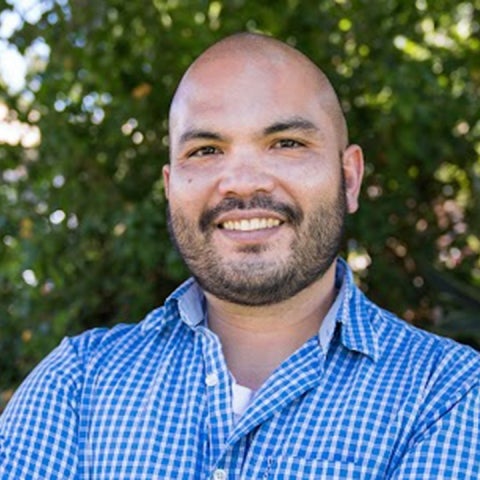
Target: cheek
x=182 y=183
x=320 y=192
x=192 y=188
x=187 y=195
x=315 y=182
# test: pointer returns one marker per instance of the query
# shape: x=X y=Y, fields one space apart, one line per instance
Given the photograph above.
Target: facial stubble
x=255 y=282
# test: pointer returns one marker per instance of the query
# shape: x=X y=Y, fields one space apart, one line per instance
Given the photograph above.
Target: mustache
x=292 y=213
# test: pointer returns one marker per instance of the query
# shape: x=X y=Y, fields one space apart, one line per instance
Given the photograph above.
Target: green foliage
x=83 y=240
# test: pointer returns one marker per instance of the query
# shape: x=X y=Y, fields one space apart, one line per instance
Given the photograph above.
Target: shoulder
x=401 y=353
x=87 y=357
x=385 y=337
x=100 y=344
x=440 y=369
x=432 y=382
x=413 y=359
x=438 y=384
x=400 y=338
x=76 y=355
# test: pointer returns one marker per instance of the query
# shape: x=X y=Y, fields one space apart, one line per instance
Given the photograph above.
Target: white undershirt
x=241 y=398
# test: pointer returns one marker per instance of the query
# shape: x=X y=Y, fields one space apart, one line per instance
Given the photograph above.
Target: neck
x=256 y=340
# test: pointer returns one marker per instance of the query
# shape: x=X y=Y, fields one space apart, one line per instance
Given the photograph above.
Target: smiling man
x=269 y=362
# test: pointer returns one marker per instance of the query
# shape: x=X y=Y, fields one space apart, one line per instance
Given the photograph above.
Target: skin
x=255 y=119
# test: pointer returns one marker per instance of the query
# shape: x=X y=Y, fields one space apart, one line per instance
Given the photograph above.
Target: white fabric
x=241 y=399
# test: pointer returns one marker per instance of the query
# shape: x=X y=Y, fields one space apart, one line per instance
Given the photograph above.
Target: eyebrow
x=296 y=123
x=199 y=135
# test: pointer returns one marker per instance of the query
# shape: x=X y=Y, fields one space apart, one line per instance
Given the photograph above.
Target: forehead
x=239 y=92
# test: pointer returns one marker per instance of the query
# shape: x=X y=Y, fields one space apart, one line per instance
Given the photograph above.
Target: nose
x=245 y=174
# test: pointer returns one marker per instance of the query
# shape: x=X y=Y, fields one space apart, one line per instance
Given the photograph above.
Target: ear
x=352 y=161
x=166 y=179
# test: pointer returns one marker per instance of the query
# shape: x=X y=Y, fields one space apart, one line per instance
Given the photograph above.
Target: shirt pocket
x=294 y=468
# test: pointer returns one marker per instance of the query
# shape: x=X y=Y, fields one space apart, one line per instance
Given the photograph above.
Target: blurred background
x=84 y=94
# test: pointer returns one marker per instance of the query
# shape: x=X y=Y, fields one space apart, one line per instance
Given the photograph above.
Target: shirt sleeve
x=448 y=446
x=38 y=430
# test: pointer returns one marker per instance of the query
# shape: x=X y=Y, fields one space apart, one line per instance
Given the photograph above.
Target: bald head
x=266 y=54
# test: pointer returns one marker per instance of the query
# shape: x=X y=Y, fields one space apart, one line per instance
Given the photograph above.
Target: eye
x=205 y=151
x=288 y=143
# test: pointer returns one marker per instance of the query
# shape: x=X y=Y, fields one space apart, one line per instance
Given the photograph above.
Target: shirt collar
x=327 y=328
x=189 y=302
x=354 y=314
x=186 y=302
x=350 y=309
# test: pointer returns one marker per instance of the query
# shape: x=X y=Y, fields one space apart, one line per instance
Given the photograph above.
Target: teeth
x=245 y=225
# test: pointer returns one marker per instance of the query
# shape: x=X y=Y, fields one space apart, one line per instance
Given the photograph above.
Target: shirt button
x=219 y=474
x=211 y=381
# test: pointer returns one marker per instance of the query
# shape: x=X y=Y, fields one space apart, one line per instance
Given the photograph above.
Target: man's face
x=257 y=195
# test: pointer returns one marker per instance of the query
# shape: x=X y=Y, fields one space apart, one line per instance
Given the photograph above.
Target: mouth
x=261 y=213
x=250 y=224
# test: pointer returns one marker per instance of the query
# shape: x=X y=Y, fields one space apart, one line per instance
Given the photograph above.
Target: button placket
x=217 y=392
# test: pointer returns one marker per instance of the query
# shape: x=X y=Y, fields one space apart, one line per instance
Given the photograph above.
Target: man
x=270 y=363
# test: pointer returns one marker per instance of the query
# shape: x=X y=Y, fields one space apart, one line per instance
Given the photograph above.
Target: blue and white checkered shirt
x=153 y=401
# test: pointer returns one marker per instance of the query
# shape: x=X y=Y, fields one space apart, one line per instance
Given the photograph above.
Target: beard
x=253 y=281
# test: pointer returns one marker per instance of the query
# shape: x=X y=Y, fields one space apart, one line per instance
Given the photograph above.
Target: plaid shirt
x=153 y=401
